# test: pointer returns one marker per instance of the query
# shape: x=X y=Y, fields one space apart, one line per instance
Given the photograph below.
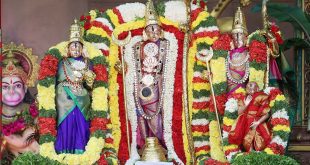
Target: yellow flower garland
x=202 y=16
x=90 y=156
x=113 y=94
x=95 y=145
x=215 y=142
x=44 y=95
x=100 y=94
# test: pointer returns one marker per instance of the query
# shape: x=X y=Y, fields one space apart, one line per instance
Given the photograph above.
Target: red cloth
x=241 y=132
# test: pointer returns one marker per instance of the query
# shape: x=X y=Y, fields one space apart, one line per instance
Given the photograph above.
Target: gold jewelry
x=151 y=16
x=12 y=67
x=76 y=32
x=239 y=24
x=19 y=60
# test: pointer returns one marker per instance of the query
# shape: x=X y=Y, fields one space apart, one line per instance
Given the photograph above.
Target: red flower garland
x=98 y=124
x=258 y=52
x=220 y=102
x=49 y=65
x=101 y=73
x=273 y=94
x=47 y=126
x=223 y=42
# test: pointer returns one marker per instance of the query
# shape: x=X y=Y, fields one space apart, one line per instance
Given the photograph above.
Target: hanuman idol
x=19 y=110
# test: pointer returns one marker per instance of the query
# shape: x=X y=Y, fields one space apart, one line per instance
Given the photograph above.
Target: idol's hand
x=254 y=124
x=89 y=76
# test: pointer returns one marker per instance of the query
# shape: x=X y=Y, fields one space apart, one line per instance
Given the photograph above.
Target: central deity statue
x=150 y=57
x=237 y=62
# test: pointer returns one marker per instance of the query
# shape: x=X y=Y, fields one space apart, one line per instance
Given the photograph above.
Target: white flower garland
x=105 y=22
x=207 y=29
x=131 y=11
x=176 y=11
x=131 y=107
x=169 y=91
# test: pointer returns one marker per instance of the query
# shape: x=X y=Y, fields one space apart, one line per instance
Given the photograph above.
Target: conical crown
x=239 y=25
x=12 y=67
x=76 y=32
x=151 y=16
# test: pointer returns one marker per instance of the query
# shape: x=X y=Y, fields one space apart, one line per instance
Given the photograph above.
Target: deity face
x=239 y=39
x=153 y=32
x=251 y=88
x=13 y=90
x=25 y=142
x=75 y=49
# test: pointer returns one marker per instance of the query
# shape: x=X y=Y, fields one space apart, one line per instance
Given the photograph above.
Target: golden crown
x=239 y=24
x=76 y=32
x=151 y=16
x=13 y=68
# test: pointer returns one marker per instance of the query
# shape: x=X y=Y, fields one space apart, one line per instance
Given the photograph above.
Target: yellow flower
x=93 y=15
x=271 y=104
x=128 y=26
x=215 y=143
x=227 y=121
x=168 y=22
x=113 y=17
x=284 y=128
x=280 y=98
x=62 y=47
x=98 y=31
x=218 y=70
x=46 y=97
x=230 y=147
x=257 y=76
x=201 y=17
x=269 y=151
x=200 y=86
x=92 y=50
x=240 y=90
x=100 y=99
x=113 y=95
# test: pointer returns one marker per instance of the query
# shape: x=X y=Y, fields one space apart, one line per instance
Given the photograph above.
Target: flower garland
x=231 y=114
x=129 y=17
x=25 y=119
x=279 y=122
x=258 y=58
x=97 y=145
x=205 y=32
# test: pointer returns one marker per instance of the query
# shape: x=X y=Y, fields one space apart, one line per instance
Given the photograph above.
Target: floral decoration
x=98 y=144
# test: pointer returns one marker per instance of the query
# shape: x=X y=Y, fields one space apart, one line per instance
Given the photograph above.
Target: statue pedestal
x=153 y=163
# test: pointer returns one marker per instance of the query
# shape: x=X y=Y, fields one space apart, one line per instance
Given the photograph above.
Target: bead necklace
x=243 y=79
x=239 y=63
x=138 y=77
x=77 y=87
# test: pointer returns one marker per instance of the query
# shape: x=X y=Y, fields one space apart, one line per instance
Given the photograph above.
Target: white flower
x=131 y=11
x=231 y=105
x=169 y=91
x=268 y=89
x=207 y=29
x=200 y=122
x=176 y=11
x=78 y=65
x=201 y=143
x=279 y=141
x=105 y=22
x=230 y=155
x=280 y=114
x=225 y=134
